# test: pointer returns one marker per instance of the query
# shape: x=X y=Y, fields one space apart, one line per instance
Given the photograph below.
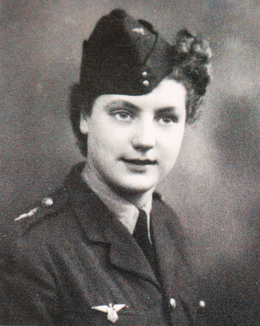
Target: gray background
x=215 y=185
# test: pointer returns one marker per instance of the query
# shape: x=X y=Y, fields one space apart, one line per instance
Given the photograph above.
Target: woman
x=104 y=248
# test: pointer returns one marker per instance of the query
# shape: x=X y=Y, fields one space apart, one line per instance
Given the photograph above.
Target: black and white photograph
x=130 y=165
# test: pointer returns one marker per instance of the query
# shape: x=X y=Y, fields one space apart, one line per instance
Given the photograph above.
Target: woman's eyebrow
x=170 y=109
x=128 y=105
x=123 y=104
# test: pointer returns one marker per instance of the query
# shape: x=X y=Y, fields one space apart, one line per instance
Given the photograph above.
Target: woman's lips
x=139 y=162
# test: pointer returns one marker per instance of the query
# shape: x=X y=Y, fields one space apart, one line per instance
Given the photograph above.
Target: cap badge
x=139 y=30
x=111 y=311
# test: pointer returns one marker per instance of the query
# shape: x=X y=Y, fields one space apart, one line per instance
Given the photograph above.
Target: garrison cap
x=124 y=56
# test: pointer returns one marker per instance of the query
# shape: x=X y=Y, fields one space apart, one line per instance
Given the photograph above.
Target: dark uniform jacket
x=74 y=255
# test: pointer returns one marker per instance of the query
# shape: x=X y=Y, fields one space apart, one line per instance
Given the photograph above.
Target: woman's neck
x=92 y=177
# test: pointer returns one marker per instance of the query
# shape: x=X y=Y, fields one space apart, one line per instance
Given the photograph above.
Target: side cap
x=124 y=56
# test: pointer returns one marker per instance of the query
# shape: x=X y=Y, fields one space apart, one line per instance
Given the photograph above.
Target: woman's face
x=134 y=141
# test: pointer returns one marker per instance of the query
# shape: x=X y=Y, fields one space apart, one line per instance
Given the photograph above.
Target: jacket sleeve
x=28 y=293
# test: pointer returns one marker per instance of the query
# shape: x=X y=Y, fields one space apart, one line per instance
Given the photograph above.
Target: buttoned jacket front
x=75 y=255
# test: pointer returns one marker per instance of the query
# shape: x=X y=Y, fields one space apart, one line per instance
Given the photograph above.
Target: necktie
x=141 y=237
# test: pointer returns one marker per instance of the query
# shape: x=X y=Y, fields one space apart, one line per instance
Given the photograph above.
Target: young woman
x=105 y=248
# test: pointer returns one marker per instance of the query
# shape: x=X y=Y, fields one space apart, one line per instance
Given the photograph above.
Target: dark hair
x=191 y=68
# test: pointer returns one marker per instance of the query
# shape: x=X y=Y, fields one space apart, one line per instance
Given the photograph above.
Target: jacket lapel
x=126 y=254
x=100 y=225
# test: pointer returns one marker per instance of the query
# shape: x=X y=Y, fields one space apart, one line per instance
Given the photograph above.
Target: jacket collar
x=100 y=225
x=125 y=211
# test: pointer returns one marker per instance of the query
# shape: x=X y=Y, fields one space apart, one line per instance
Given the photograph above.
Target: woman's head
x=128 y=57
x=134 y=140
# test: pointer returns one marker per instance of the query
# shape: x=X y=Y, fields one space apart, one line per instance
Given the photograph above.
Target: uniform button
x=202 y=303
x=144 y=74
x=146 y=83
x=173 y=303
x=48 y=201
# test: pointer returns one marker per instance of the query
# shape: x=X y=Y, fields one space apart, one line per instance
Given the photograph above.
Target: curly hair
x=191 y=68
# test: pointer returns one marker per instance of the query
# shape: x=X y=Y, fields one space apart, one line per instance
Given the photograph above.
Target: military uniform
x=74 y=260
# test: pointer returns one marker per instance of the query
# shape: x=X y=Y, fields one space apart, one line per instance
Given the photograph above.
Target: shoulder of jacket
x=48 y=206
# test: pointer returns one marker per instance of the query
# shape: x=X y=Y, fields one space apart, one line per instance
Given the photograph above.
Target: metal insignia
x=29 y=214
x=139 y=30
x=111 y=311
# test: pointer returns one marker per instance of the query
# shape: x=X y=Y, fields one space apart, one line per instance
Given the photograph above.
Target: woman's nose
x=143 y=137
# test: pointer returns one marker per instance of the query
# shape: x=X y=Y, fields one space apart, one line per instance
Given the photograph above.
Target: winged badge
x=111 y=311
x=139 y=30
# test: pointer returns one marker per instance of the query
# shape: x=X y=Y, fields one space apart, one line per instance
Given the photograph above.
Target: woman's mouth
x=139 y=161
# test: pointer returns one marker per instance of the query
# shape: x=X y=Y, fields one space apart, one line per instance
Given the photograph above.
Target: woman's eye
x=123 y=115
x=167 y=120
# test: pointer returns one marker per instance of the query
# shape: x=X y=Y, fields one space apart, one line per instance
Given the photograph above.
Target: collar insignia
x=29 y=214
x=111 y=311
x=139 y=30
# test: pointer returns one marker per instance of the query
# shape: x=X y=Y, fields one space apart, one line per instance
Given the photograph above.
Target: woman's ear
x=83 y=124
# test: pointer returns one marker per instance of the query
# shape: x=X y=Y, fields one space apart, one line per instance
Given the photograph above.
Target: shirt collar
x=125 y=211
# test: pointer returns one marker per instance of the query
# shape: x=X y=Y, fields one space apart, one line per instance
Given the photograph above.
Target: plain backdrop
x=214 y=187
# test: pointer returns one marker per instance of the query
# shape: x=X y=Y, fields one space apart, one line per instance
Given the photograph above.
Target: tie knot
x=142 y=215
x=141 y=229
x=141 y=224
